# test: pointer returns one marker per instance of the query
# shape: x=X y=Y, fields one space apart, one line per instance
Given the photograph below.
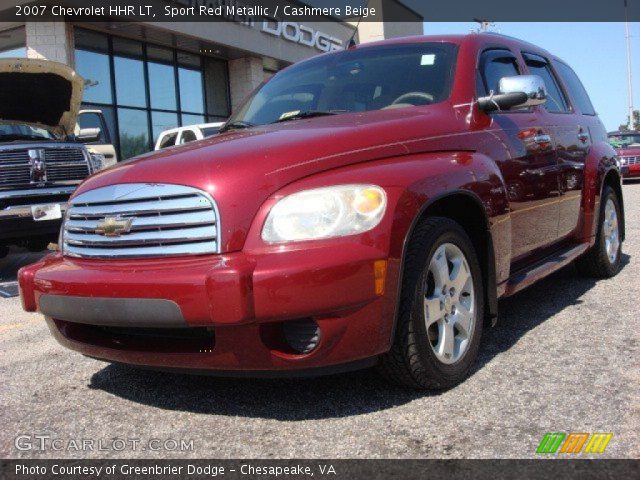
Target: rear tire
x=603 y=260
x=441 y=309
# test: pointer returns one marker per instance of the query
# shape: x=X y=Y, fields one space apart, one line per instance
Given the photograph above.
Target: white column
x=245 y=74
x=50 y=41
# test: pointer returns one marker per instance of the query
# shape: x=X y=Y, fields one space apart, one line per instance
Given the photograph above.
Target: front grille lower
x=631 y=160
x=62 y=163
x=165 y=220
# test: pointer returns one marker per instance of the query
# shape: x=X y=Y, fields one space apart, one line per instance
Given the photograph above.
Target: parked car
x=182 y=135
x=361 y=208
x=41 y=159
x=628 y=146
x=102 y=144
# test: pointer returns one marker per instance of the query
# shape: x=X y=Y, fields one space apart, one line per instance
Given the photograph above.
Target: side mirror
x=521 y=91
x=87 y=135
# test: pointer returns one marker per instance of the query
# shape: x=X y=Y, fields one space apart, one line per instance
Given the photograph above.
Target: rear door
x=531 y=171
x=572 y=142
x=579 y=137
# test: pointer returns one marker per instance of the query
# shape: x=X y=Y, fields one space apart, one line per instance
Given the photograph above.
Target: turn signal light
x=379 y=274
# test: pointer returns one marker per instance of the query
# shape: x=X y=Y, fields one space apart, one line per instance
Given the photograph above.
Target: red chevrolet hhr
x=363 y=207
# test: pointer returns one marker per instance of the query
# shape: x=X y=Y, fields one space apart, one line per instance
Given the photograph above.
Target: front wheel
x=603 y=259
x=441 y=309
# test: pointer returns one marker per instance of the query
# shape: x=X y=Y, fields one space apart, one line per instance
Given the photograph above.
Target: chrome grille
x=65 y=164
x=61 y=163
x=630 y=160
x=165 y=220
x=14 y=167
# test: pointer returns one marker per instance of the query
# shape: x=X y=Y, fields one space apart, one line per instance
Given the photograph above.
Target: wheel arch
x=467 y=209
x=613 y=179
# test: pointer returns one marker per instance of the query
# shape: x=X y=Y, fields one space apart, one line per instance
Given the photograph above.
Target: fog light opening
x=302 y=336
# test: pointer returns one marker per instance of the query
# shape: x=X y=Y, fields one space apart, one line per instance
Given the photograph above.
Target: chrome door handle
x=542 y=139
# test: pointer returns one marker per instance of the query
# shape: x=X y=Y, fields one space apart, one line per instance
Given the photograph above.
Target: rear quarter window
x=168 y=140
x=576 y=90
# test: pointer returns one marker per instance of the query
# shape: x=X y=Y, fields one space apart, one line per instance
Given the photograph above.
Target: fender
x=601 y=162
x=481 y=185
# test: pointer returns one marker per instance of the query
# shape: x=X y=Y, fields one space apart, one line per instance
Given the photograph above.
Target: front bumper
x=219 y=312
x=631 y=171
x=16 y=218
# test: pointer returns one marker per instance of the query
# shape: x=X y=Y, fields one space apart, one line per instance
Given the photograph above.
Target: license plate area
x=48 y=211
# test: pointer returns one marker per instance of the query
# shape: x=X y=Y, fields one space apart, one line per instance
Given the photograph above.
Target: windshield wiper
x=305 y=114
x=236 y=125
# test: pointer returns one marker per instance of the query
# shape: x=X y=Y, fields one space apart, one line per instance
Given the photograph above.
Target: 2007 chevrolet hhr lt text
x=368 y=206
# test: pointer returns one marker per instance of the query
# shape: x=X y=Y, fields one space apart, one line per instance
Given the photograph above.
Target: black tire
x=595 y=262
x=411 y=361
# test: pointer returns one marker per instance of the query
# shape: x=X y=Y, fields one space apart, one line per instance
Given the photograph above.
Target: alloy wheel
x=611 y=231
x=449 y=304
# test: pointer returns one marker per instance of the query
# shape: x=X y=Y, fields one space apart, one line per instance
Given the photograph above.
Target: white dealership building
x=147 y=77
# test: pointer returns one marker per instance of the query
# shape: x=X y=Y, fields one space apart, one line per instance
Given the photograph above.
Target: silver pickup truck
x=42 y=154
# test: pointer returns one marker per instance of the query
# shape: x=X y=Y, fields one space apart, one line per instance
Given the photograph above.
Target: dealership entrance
x=148 y=77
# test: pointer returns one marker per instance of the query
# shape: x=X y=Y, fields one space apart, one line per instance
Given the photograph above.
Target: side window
x=494 y=65
x=94 y=120
x=556 y=103
x=169 y=140
x=188 y=136
x=576 y=89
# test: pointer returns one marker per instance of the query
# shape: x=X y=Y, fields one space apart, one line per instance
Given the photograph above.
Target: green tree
x=636 y=122
x=131 y=145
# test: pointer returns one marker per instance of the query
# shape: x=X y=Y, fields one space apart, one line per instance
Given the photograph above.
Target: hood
x=240 y=169
x=40 y=93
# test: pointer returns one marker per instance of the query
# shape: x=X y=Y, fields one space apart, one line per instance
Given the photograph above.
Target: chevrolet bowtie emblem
x=113 y=226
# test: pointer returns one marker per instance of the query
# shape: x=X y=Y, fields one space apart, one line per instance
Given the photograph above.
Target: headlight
x=325 y=212
x=98 y=161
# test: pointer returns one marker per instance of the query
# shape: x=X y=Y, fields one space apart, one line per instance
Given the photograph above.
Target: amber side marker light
x=379 y=274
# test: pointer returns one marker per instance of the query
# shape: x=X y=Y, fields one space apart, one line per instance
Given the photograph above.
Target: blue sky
x=596 y=51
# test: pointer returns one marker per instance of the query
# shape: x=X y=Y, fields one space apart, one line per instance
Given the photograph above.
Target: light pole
x=632 y=125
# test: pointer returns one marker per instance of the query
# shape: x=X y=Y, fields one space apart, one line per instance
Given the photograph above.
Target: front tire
x=441 y=312
x=603 y=260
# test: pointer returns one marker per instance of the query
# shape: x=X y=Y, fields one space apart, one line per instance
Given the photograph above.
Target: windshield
x=356 y=80
x=23 y=132
x=625 y=140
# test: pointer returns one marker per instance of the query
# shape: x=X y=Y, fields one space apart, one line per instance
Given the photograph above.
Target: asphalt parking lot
x=564 y=357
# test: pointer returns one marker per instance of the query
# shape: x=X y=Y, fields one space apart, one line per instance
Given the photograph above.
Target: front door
x=531 y=170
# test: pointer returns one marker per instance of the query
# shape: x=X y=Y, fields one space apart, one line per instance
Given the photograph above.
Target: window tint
x=168 y=140
x=161 y=121
x=576 y=89
x=134 y=132
x=494 y=65
x=188 y=136
x=182 y=88
x=209 y=131
x=556 y=102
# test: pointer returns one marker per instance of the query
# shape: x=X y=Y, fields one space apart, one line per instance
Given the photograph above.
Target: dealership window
x=13 y=43
x=145 y=89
